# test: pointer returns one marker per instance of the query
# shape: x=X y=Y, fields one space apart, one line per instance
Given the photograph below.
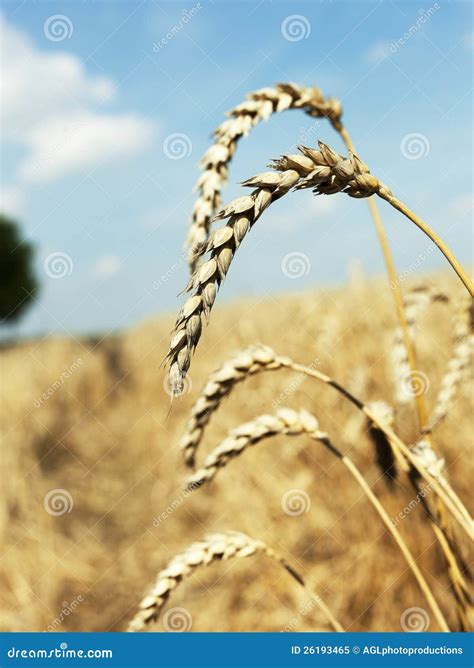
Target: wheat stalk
x=295 y=423
x=325 y=172
x=457 y=366
x=405 y=456
x=416 y=301
x=216 y=547
x=258 y=106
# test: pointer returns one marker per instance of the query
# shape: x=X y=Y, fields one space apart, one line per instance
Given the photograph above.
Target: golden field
x=92 y=417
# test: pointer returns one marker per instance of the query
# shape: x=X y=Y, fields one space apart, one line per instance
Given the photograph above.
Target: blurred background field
x=106 y=435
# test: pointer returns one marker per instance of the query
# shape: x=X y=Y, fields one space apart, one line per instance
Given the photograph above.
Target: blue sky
x=87 y=112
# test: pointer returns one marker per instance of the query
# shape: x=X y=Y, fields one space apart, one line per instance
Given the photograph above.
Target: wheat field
x=93 y=504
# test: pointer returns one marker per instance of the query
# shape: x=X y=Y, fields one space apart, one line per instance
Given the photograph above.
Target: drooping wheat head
x=416 y=302
x=458 y=364
x=216 y=547
x=258 y=106
x=294 y=423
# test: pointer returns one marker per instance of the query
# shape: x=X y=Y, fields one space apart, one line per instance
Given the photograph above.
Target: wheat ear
x=324 y=171
x=457 y=366
x=216 y=547
x=240 y=366
x=295 y=423
x=416 y=301
x=258 y=106
x=405 y=456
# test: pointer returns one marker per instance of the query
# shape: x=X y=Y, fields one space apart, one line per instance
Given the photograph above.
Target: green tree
x=18 y=284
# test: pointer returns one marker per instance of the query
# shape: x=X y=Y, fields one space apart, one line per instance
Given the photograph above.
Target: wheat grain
x=406 y=458
x=325 y=172
x=245 y=363
x=457 y=366
x=295 y=423
x=216 y=547
x=259 y=106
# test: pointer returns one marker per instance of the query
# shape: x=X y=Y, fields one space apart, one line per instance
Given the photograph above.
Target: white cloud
x=377 y=52
x=107 y=266
x=11 y=201
x=62 y=144
x=49 y=107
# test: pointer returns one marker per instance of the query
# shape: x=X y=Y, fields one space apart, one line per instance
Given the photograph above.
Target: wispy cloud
x=377 y=52
x=49 y=107
x=107 y=266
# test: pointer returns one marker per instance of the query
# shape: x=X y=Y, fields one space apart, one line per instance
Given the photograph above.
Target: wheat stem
x=216 y=547
x=400 y=206
x=293 y=423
